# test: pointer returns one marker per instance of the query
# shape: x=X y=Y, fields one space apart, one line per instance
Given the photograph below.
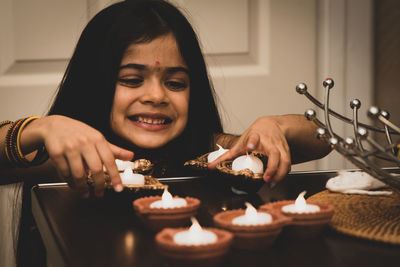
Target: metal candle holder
x=361 y=149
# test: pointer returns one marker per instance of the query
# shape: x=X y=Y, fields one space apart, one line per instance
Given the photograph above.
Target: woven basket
x=370 y=217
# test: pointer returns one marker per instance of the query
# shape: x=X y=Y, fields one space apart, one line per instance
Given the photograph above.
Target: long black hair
x=87 y=90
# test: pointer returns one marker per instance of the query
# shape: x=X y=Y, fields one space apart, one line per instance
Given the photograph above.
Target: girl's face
x=151 y=99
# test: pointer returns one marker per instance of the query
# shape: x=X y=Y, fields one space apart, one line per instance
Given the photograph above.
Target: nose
x=155 y=94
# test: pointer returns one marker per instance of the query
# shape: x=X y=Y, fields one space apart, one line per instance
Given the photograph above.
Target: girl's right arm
x=73 y=148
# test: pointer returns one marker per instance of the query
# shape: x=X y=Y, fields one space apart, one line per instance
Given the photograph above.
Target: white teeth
x=150 y=121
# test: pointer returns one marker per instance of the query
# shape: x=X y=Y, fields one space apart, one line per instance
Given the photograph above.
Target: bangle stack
x=13 y=148
x=4 y=123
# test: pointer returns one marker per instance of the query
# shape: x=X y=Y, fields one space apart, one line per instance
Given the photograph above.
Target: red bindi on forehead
x=157 y=65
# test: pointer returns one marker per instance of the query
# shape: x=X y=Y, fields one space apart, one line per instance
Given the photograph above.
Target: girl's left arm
x=284 y=139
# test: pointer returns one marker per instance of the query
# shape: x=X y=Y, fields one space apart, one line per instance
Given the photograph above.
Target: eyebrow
x=143 y=67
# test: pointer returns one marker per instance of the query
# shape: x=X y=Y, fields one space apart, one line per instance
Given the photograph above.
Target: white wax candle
x=252 y=217
x=300 y=206
x=215 y=154
x=128 y=177
x=123 y=165
x=195 y=235
x=167 y=201
x=248 y=162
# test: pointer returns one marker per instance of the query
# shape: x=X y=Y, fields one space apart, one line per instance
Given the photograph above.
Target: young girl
x=137 y=86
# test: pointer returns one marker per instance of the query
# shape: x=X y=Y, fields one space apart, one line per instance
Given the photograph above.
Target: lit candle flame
x=122 y=165
x=301 y=206
x=251 y=212
x=300 y=202
x=252 y=217
x=128 y=177
x=195 y=228
x=166 y=197
x=195 y=235
x=167 y=201
x=215 y=154
x=128 y=172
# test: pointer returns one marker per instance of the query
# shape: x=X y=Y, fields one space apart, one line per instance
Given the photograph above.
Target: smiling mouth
x=152 y=121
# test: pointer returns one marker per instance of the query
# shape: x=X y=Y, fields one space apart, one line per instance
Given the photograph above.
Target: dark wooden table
x=79 y=231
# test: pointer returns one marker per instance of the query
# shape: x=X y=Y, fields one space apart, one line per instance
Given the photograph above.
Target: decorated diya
x=202 y=161
x=193 y=246
x=158 y=212
x=252 y=229
x=250 y=166
x=134 y=176
x=309 y=218
x=142 y=166
x=245 y=172
x=137 y=182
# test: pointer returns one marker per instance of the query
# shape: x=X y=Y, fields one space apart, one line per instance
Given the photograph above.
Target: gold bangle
x=10 y=143
x=24 y=123
x=13 y=148
x=4 y=123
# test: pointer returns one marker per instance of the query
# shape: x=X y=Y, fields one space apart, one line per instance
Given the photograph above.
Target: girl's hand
x=75 y=148
x=264 y=136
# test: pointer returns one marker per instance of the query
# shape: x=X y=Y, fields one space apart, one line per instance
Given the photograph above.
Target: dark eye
x=131 y=82
x=176 y=86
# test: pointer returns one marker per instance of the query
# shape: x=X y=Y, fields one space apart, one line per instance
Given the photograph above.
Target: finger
x=61 y=165
x=99 y=179
x=106 y=154
x=283 y=168
x=272 y=165
x=121 y=153
x=77 y=169
x=252 y=142
x=280 y=173
x=95 y=165
x=68 y=179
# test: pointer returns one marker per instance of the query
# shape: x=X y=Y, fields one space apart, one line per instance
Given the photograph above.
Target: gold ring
x=90 y=180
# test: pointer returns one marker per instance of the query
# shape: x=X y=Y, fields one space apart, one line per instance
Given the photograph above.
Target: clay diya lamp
x=308 y=218
x=158 y=212
x=193 y=246
x=252 y=230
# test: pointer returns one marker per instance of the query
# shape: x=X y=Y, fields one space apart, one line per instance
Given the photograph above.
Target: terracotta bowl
x=303 y=224
x=254 y=237
x=193 y=255
x=158 y=218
